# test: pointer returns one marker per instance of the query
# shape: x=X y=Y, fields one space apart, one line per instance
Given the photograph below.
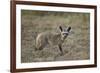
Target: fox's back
x=48 y=38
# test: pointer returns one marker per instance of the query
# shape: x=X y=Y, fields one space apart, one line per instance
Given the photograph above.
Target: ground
x=75 y=47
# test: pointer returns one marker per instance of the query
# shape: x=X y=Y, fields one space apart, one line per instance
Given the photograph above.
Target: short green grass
x=75 y=47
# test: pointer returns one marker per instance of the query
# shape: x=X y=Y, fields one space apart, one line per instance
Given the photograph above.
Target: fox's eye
x=63 y=33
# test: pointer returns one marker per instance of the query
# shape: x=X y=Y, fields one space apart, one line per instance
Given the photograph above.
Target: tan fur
x=51 y=38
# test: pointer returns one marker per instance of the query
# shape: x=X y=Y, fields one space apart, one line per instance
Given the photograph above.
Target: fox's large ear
x=60 y=28
x=69 y=28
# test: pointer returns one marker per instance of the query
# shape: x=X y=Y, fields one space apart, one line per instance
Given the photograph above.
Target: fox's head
x=64 y=32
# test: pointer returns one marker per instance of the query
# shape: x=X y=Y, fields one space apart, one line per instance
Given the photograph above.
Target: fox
x=52 y=38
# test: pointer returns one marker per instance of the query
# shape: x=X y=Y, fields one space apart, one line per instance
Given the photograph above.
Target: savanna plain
x=76 y=46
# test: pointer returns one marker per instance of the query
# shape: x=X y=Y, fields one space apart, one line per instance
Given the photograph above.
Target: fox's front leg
x=60 y=48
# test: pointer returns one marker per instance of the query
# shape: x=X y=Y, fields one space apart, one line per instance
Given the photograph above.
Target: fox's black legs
x=60 y=48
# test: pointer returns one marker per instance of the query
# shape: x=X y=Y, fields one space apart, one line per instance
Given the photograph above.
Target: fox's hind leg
x=39 y=48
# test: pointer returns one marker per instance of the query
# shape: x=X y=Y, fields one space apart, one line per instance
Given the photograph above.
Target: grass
x=76 y=46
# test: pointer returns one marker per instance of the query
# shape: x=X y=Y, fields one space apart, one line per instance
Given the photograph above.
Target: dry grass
x=76 y=46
